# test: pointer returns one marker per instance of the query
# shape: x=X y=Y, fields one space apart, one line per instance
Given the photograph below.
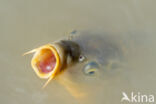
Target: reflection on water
x=27 y=24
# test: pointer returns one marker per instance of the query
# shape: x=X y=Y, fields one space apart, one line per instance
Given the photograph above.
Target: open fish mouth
x=51 y=59
x=46 y=61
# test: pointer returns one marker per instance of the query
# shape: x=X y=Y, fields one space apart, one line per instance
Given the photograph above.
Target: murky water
x=27 y=24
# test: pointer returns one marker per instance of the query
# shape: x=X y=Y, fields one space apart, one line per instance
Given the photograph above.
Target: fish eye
x=81 y=58
x=91 y=68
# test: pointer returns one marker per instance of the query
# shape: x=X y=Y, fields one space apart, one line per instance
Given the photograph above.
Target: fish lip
x=57 y=54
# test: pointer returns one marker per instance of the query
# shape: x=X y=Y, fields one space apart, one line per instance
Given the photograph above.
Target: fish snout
x=51 y=59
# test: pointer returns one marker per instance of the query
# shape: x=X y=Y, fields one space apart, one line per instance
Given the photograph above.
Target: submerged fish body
x=84 y=63
x=103 y=56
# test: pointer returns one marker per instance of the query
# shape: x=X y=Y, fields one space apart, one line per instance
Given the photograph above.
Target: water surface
x=27 y=24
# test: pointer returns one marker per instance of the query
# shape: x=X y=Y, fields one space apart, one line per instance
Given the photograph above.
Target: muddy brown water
x=27 y=24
